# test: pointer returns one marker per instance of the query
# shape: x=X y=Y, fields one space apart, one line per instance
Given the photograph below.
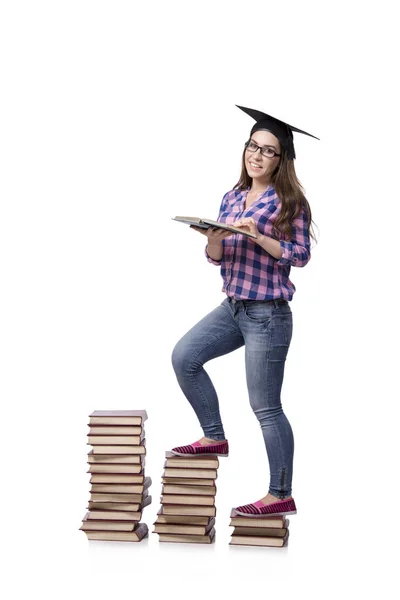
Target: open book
x=206 y=223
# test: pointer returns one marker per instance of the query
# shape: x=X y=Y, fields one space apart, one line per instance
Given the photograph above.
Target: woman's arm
x=295 y=253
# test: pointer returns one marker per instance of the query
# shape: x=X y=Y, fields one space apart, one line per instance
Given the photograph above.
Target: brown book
x=195 y=510
x=274 y=521
x=184 y=539
x=206 y=223
x=262 y=531
x=116 y=478
x=92 y=524
x=187 y=481
x=120 y=536
x=116 y=498
x=183 y=529
x=194 y=473
x=115 y=430
x=121 y=506
x=116 y=488
x=118 y=417
x=115 y=458
x=188 y=490
x=115 y=440
x=182 y=519
x=245 y=540
x=121 y=469
x=191 y=462
x=114 y=515
x=140 y=449
x=180 y=499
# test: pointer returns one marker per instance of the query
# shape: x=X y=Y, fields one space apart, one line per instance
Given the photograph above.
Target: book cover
x=183 y=528
x=131 y=459
x=195 y=510
x=193 y=539
x=119 y=536
x=193 y=473
x=206 y=223
x=195 y=490
x=121 y=506
x=244 y=540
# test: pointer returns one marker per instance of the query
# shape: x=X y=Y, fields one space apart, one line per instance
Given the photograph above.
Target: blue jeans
x=265 y=329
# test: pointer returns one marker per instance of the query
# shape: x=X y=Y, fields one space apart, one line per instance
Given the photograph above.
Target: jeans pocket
x=258 y=312
x=287 y=322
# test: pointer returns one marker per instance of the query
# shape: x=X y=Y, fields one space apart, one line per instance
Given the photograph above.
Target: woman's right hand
x=215 y=235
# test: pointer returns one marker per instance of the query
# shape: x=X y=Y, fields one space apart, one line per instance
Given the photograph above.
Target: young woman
x=267 y=201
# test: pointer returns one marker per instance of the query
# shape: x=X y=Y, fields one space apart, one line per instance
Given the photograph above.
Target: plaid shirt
x=248 y=271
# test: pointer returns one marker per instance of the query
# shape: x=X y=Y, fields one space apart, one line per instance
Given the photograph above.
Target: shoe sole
x=275 y=514
x=199 y=454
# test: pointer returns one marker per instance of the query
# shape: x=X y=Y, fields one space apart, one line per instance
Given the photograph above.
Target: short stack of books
x=188 y=510
x=259 y=531
x=119 y=489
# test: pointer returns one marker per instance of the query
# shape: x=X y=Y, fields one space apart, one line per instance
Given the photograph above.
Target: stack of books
x=188 y=510
x=119 y=489
x=259 y=531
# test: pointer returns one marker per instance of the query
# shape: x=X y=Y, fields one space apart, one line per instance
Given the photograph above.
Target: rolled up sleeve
x=297 y=252
x=221 y=210
x=211 y=260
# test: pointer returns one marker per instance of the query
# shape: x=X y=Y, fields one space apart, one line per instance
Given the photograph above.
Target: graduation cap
x=281 y=130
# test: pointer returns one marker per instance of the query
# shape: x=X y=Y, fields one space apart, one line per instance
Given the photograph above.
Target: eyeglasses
x=265 y=151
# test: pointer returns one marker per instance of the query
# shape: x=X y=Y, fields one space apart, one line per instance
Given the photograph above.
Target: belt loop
x=275 y=303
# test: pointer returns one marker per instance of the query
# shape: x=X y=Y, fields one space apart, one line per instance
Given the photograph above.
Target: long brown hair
x=290 y=192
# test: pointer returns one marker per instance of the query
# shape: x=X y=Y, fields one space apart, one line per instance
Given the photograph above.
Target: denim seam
x=269 y=392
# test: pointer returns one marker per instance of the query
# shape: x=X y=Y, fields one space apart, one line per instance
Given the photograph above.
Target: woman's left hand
x=249 y=224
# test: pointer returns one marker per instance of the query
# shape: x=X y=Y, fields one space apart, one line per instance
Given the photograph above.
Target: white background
x=115 y=117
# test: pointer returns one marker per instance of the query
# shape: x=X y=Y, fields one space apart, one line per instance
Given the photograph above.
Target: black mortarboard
x=281 y=130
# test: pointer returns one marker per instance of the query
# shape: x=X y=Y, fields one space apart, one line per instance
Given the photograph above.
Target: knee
x=180 y=358
x=266 y=414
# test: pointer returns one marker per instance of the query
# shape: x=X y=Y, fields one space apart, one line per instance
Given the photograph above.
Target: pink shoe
x=258 y=509
x=217 y=449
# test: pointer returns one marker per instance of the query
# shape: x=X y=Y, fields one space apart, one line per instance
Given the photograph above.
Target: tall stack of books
x=259 y=531
x=188 y=510
x=119 y=489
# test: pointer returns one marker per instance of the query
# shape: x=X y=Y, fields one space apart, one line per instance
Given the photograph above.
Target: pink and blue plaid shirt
x=248 y=271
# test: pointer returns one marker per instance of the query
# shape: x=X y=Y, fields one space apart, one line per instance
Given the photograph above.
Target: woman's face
x=258 y=166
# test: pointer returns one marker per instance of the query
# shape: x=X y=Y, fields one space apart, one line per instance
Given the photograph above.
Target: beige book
x=110 y=468
x=182 y=519
x=114 y=440
x=91 y=524
x=197 y=473
x=182 y=509
x=245 y=540
x=119 y=449
x=180 y=499
x=191 y=462
x=189 y=490
x=115 y=458
x=273 y=521
x=120 y=536
x=187 y=481
x=261 y=531
x=183 y=529
x=116 y=488
x=185 y=539
x=116 y=497
x=118 y=417
x=114 y=515
x=115 y=430
x=120 y=506
x=116 y=478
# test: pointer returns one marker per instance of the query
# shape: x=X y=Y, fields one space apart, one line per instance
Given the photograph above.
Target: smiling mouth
x=254 y=166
